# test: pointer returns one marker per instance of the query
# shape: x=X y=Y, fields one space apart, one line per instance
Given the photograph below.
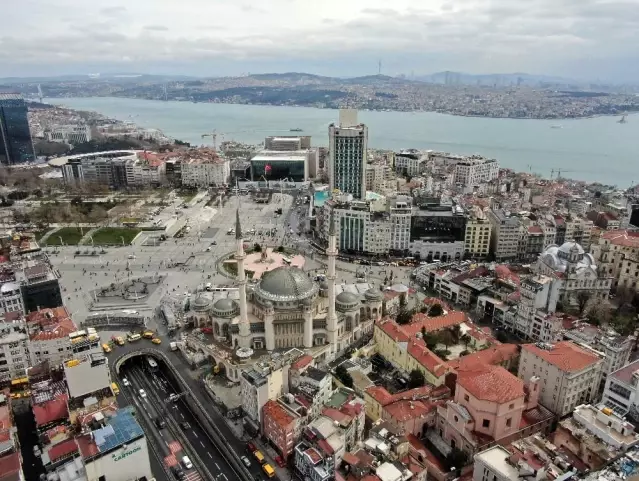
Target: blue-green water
x=598 y=149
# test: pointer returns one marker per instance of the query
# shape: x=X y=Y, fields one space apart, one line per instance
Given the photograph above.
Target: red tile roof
x=425 y=357
x=63 y=449
x=52 y=323
x=535 y=229
x=336 y=415
x=380 y=394
x=433 y=324
x=87 y=446
x=9 y=465
x=622 y=238
x=393 y=330
x=52 y=410
x=274 y=410
x=402 y=411
x=490 y=383
x=302 y=362
x=565 y=355
x=494 y=355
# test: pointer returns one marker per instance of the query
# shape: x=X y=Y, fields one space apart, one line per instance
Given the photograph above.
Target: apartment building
x=68 y=134
x=204 y=168
x=14 y=350
x=400 y=209
x=569 y=374
x=475 y=170
x=49 y=335
x=617 y=253
x=505 y=234
x=282 y=422
x=260 y=384
x=409 y=162
x=621 y=391
x=478 y=234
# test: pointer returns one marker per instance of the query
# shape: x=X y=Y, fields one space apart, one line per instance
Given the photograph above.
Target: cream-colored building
x=617 y=254
x=478 y=232
x=570 y=374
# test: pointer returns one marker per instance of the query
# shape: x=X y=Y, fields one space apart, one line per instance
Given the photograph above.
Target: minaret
x=245 y=326
x=331 y=252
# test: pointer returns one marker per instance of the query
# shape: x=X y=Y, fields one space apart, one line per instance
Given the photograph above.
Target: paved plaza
x=191 y=261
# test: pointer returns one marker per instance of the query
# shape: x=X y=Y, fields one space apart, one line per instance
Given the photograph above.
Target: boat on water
x=296 y=130
x=622 y=120
x=557 y=126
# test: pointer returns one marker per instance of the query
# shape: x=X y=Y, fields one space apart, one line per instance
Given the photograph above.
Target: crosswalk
x=193 y=475
x=175 y=447
x=170 y=460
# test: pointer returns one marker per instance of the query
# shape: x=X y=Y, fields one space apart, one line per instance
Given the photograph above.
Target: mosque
x=287 y=308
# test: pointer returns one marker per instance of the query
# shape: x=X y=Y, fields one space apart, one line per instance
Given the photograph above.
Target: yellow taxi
x=156 y=340
x=106 y=348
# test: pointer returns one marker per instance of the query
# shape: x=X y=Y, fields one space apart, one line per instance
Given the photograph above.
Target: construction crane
x=559 y=171
x=214 y=134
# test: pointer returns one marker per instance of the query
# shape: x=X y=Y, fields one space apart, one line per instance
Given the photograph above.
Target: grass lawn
x=70 y=236
x=39 y=234
x=114 y=235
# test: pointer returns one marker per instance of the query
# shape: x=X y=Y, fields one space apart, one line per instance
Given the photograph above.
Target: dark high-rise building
x=15 y=137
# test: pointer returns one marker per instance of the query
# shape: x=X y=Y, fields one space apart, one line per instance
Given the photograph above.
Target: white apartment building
x=68 y=134
x=473 y=171
x=495 y=464
x=14 y=350
x=257 y=386
x=505 y=235
x=348 y=145
x=409 y=162
x=538 y=298
x=378 y=177
x=569 y=374
x=198 y=172
x=621 y=391
x=400 y=215
x=11 y=298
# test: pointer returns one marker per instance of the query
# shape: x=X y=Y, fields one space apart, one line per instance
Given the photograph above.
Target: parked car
x=280 y=461
x=251 y=447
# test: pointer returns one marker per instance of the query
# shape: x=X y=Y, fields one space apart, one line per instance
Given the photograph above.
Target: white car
x=246 y=461
x=125 y=381
x=142 y=393
x=131 y=256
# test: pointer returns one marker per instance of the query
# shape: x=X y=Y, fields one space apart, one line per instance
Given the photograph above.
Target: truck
x=173 y=346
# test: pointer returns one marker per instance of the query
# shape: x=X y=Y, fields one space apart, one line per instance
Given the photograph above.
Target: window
x=512 y=406
x=509 y=422
x=466 y=397
x=485 y=423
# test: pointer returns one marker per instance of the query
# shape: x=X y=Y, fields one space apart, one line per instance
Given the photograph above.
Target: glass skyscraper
x=15 y=137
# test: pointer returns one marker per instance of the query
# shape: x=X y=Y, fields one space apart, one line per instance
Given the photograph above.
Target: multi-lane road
x=182 y=434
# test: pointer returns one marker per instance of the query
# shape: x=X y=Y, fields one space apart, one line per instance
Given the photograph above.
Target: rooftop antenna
x=379 y=67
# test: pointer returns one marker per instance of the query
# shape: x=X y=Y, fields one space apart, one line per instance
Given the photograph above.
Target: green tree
x=404 y=316
x=431 y=341
x=456 y=459
x=446 y=338
x=501 y=336
x=344 y=376
x=465 y=339
x=416 y=379
x=424 y=333
x=257 y=247
x=402 y=301
x=436 y=310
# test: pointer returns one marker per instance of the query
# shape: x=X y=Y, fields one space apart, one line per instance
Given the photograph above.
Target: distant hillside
x=497 y=79
x=290 y=77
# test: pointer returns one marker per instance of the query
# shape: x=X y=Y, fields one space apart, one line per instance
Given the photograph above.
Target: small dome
x=568 y=247
x=347 y=298
x=324 y=285
x=201 y=303
x=374 y=294
x=225 y=308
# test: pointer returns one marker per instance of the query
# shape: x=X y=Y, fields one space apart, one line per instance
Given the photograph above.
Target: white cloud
x=472 y=35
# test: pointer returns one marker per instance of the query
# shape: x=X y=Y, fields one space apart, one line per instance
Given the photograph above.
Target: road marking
x=210 y=455
x=216 y=465
x=182 y=415
x=195 y=434
x=202 y=444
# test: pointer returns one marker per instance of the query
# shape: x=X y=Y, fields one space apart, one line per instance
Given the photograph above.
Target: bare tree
x=583 y=297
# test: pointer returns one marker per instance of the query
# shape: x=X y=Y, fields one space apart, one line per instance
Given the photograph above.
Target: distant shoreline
x=362 y=109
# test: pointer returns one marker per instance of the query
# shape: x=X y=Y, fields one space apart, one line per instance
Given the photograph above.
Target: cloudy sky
x=590 y=39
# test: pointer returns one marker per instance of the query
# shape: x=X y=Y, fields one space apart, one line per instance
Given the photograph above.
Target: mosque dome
x=285 y=284
x=374 y=294
x=559 y=257
x=201 y=303
x=225 y=308
x=346 y=301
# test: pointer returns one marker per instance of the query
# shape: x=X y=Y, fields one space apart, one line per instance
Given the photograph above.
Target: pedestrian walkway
x=87 y=237
x=43 y=239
